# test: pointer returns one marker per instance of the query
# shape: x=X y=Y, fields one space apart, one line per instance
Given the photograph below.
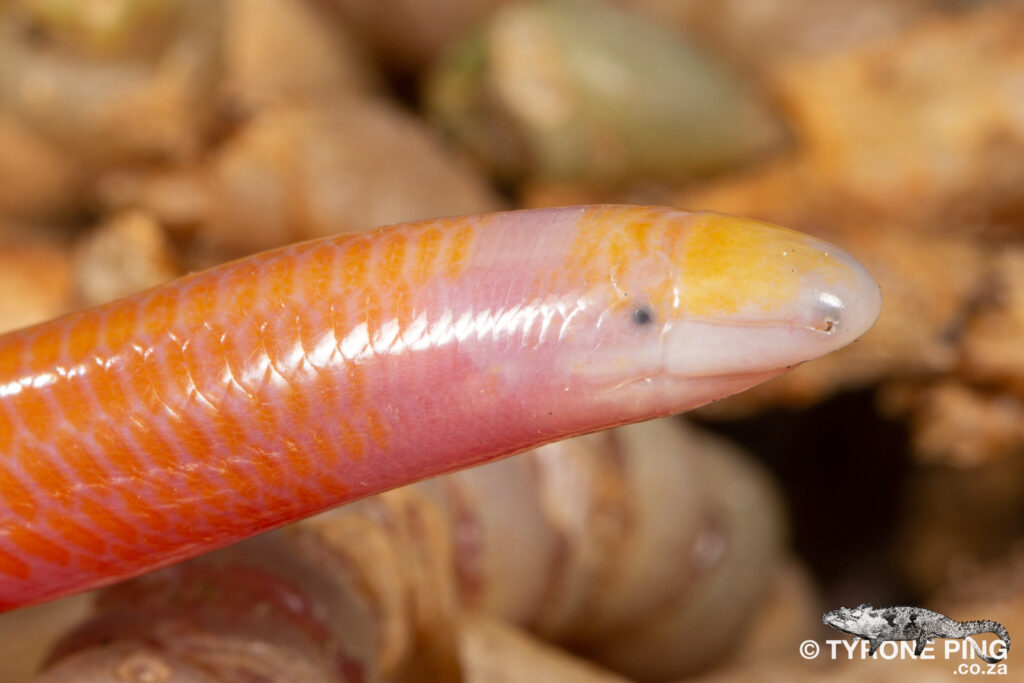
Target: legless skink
x=235 y=400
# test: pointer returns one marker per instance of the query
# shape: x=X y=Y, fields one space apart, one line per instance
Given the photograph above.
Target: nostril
x=829 y=308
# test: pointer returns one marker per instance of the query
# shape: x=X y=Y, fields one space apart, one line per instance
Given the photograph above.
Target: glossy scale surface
x=183 y=418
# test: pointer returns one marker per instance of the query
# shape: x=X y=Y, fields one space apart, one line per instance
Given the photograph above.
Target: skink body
x=181 y=419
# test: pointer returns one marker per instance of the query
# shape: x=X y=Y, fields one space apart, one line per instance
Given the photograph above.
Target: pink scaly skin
x=229 y=402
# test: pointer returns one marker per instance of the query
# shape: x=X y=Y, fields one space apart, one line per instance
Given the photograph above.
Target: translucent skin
x=179 y=420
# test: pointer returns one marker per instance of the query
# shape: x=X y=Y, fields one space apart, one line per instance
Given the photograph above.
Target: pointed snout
x=838 y=297
x=754 y=297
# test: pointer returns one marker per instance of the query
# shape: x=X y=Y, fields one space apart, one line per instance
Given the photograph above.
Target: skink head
x=749 y=296
x=703 y=305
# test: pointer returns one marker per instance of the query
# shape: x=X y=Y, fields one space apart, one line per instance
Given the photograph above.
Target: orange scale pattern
x=238 y=399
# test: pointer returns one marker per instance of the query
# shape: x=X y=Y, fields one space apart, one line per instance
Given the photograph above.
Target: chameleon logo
x=909 y=623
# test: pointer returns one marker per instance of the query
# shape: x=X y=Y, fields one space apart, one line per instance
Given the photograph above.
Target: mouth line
x=754 y=377
x=829 y=327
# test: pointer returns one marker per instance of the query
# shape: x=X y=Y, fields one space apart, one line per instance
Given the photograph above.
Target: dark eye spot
x=642 y=315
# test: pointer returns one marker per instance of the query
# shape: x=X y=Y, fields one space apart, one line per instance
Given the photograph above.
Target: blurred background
x=143 y=139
